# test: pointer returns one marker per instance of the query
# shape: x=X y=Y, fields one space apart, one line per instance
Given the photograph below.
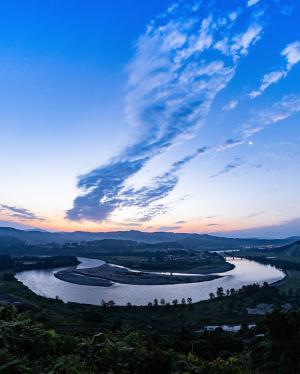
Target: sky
x=156 y=115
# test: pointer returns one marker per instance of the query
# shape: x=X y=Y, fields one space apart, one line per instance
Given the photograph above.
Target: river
x=44 y=283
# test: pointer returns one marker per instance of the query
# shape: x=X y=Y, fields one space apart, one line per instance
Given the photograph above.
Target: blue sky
x=151 y=115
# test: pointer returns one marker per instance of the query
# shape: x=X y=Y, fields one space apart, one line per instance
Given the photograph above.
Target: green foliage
x=280 y=352
x=16 y=264
x=26 y=347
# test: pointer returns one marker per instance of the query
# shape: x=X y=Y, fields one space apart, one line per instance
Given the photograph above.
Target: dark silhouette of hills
x=290 y=250
x=203 y=241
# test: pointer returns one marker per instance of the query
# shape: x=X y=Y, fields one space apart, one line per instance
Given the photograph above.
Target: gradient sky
x=151 y=115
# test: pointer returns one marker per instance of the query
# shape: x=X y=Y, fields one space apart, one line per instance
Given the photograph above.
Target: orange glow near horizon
x=191 y=227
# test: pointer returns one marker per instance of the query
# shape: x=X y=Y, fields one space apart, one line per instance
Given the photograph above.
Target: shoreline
x=196 y=270
x=106 y=275
x=280 y=282
x=71 y=277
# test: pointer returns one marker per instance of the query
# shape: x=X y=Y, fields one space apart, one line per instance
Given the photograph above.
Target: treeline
x=168 y=260
x=279 y=263
x=253 y=292
x=14 y=246
x=27 y=347
x=15 y=264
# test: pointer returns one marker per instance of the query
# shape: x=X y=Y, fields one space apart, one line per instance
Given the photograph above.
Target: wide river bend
x=44 y=283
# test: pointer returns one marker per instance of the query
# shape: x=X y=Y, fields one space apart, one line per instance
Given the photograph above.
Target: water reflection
x=43 y=282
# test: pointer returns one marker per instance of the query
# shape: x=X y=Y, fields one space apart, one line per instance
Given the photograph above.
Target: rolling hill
x=194 y=241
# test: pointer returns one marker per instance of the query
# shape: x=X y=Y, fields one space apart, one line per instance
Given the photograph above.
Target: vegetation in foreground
x=27 y=347
x=54 y=337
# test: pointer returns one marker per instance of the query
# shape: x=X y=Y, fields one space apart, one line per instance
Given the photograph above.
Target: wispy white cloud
x=267 y=80
x=169 y=228
x=252 y=2
x=237 y=45
x=233 y=16
x=292 y=55
x=172 y=83
x=243 y=41
x=255 y=214
x=283 y=109
x=19 y=213
x=228 y=144
x=235 y=163
x=230 y=106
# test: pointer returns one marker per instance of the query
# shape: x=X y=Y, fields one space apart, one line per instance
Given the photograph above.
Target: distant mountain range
x=202 y=241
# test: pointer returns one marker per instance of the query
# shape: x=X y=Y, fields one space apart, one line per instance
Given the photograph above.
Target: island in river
x=107 y=274
x=172 y=260
x=149 y=269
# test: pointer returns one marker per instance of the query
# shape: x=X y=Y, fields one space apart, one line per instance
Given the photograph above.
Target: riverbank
x=291 y=282
x=282 y=281
x=201 y=269
x=46 y=284
x=210 y=269
x=170 y=262
x=72 y=276
x=107 y=274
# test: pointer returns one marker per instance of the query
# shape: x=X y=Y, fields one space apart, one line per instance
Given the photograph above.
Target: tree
x=220 y=292
x=110 y=303
x=155 y=302
x=183 y=302
x=162 y=302
x=211 y=295
x=116 y=325
x=189 y=300
x=175 y=302
x=8 y=276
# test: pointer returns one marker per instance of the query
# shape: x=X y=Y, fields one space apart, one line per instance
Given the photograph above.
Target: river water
x=44 y=283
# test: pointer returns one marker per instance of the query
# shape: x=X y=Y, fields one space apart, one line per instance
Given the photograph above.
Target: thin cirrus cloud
x=172 y=83
x=252 y=2
x=280 y=110
x=18 y=212
x=162 y=185
x=230 y=106
x=255 y=214
x=292 y=55
x=169 y=228
x=235 y=163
